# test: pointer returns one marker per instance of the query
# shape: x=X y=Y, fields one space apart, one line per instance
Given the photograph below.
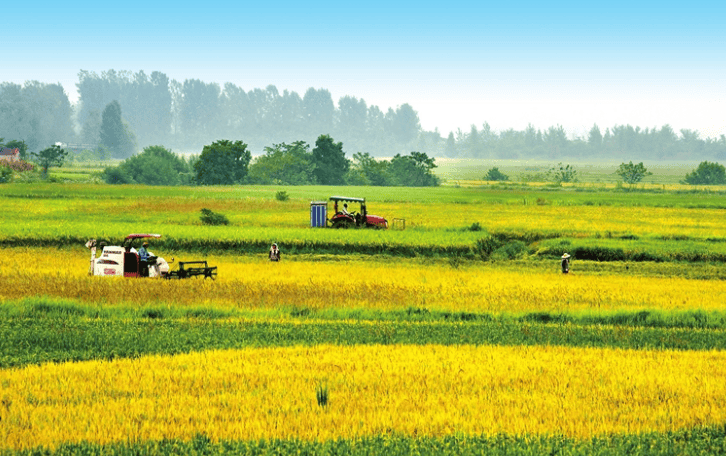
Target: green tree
x=707 y=174
x=495 y=175
x=91 y=130
x=114 y=134
x=632 y=174
x=404 y=124
x=414 y=170
x=50 y=156
x=318 y=110
x=562 y=173
x=285 y=164
x=594 y=138
x=451 y=150
x=330 y=162
x=156 y=165
x=222 y=163
x=366 y=170
x=6 y=174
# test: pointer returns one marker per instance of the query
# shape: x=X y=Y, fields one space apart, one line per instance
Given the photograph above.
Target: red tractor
x=344 y=218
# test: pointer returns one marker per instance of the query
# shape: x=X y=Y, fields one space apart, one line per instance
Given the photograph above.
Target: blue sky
x=457 y=63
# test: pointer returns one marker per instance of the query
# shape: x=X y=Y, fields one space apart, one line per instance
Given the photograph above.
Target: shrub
x=6 y=174
x=19 y=166
x=211 y=218
x=562 y=173
x=632 y=174
x=510 y=251
x=495 y=175
x=707 y=174
x=474 y=227
x=282 y=196
x=115 y=175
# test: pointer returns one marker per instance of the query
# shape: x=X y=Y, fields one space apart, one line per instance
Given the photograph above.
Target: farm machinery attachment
x=192 y=269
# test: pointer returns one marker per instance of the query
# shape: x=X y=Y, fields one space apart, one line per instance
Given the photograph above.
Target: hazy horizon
x=456 y=63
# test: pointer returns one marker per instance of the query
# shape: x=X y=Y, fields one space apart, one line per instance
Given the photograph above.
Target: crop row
x=40 y=339
x=698 y=441
x=252 y=283
x=329 y=392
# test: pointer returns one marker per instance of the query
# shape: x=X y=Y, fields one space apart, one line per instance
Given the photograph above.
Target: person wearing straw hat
x=566 y=263
x=274 y=252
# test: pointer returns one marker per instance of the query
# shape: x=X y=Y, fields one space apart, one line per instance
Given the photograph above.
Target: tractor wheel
x=343 y=224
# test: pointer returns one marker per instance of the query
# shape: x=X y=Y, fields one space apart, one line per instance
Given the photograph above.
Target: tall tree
x=285 y=164
x=199 y=110
x=594 y=138
x=114 y=134
x=319 y=111
x=406 y=125
x=39 y=114
x=91 y=129
x=50 y=156
x=450 y=149
x=366 y=170
x=351 y=122
x=330 y=162
x=414 y=170
x=223 y=163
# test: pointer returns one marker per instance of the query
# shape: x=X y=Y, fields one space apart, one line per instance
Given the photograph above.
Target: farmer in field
x=274 y=253
x=566 y=263
x=144 y=260
x=345 y=209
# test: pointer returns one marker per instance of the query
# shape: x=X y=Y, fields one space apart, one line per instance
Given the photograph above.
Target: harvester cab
x=350 y=218
x=124 y=261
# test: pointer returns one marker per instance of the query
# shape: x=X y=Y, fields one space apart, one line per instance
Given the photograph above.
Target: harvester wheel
x=211 y=274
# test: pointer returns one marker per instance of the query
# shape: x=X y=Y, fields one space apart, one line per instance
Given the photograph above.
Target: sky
x=457 y=63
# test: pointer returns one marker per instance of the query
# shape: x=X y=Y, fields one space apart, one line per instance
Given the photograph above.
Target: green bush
x=495 y=175
x=510 y=251
x=211 y=218
x=707 y=174
x=6 y=174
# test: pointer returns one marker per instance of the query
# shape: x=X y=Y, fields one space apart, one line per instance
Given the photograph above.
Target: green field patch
x=35 y=331
x=697 y=441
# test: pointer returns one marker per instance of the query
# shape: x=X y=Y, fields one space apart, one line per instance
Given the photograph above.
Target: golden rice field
x=414 y=390
x=258 y=346
x=252 y=283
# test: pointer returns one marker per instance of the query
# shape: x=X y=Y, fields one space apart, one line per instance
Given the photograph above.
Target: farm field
x=457 y=335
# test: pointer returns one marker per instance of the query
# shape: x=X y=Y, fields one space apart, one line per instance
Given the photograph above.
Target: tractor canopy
x=346 y=198
x=131 y=237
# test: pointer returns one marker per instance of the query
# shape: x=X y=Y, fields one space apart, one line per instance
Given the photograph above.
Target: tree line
x=226 y=162
x=120 y=112
x=620 y=141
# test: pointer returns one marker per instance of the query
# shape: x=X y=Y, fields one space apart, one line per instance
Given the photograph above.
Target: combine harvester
x=124 y=261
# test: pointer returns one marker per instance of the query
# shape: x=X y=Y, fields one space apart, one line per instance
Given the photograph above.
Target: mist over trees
x=618 y=142
x=36 y=113
x=186 y=116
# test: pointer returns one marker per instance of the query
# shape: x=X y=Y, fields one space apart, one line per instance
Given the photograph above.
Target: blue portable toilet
x=318 y=214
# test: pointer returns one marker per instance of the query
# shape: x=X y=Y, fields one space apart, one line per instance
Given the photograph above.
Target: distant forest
x=185 y=116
